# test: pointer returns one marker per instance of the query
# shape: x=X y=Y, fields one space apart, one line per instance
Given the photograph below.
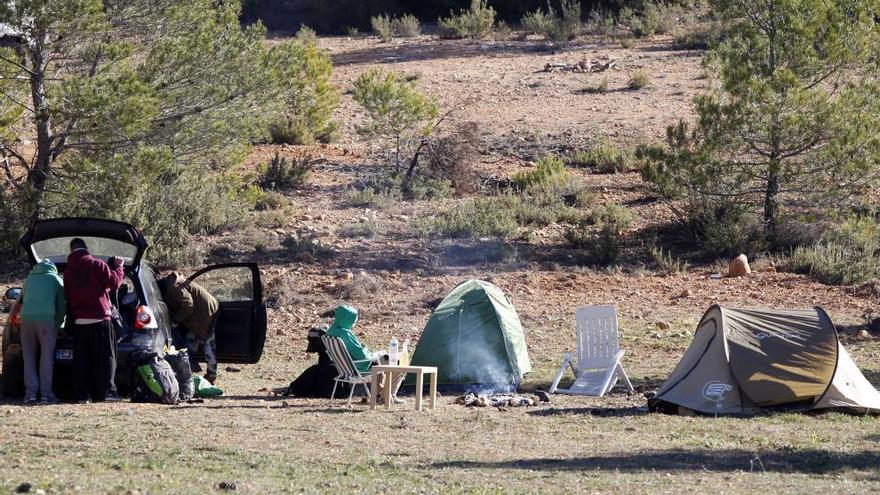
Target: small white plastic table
x=390 y=371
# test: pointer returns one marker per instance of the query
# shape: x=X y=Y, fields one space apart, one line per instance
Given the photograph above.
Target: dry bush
x=452 y=156
x=281 y=292
x=360 y=286
x=639 y=79
x=367 y=230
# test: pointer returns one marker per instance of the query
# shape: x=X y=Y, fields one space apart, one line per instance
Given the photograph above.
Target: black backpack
x=154 y=379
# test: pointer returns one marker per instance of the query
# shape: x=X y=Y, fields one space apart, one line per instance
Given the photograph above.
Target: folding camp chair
x=598 y=354
x=346 y=366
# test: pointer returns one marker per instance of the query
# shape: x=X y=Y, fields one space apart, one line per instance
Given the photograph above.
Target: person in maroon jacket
x=87 y=284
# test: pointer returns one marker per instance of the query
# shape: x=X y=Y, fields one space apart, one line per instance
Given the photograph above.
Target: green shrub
x=386 y=27
x=569 y=191
x=642 y=25
x=281 y=174
x=600 y=23
x=274 y=219
x=369 y=198
x=604 y=157
x=612 y=218
x=722 y=231
x=502 y=31
x=290 y=129
x=426 y=188
x=601 y=248
x=481 y=217
x=568 y=25
x=695 y=37
x=652 y=18
x=547 y=170
x=307 y=35
x=352 y=32
x=663 y=16
x=627 y=42
x=599 y=235
x=382 y=26
x=847 y=255
x=501 y=216
x=638 y=79
x=537 y=22
x=270 y=200
x=385 y=188
x=557 y=28
x=406 y=26
x=666 y=263
x=309 y=96
x=367 y=230
x=536 y=209
x=476 y=22
x=304 y=247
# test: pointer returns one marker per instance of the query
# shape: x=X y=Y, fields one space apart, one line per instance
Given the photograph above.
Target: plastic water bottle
x=393 y=352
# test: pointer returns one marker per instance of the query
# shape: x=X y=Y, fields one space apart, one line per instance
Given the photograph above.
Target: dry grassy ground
x=571 y=445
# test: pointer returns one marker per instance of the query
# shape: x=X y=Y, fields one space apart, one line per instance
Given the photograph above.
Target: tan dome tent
x=744 y=360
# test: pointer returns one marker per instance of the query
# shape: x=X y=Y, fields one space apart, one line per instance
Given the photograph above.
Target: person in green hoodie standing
x=43 y=309
x=343 y=323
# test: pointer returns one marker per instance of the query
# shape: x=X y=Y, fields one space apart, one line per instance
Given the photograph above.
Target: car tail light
x=144 y=318
x=15 y=316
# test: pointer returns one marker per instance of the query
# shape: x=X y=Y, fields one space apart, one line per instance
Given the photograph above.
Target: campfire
x=495 y=400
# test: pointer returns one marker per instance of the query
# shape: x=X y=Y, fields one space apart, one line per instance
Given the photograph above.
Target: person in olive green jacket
x=346 y=317
x=43 y=309
x=195 y=309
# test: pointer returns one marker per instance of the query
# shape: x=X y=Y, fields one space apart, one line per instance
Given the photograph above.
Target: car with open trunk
x=140 y=315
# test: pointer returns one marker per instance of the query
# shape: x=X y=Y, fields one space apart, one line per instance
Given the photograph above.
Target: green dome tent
x=474 y=337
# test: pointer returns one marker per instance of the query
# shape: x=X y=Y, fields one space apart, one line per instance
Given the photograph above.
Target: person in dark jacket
x=195 y=310
x=87 y=285
x=42 y=314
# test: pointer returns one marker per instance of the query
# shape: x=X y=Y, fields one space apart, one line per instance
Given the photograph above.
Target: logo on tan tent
x=715 y=390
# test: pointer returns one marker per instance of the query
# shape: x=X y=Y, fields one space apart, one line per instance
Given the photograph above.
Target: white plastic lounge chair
x=598 y=354
x=346 y=366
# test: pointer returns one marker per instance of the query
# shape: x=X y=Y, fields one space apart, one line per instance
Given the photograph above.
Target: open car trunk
x=50 y=239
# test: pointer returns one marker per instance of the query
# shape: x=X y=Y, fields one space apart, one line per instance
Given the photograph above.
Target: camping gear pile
x=169 y=379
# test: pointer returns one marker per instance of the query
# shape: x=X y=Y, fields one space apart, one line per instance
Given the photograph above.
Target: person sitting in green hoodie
x=43 y=309
x=346 y=317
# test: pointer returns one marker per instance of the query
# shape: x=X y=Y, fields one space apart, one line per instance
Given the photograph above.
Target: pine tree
x=794 y=122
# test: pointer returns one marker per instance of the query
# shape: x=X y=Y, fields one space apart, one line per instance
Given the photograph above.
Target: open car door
x=241 y=324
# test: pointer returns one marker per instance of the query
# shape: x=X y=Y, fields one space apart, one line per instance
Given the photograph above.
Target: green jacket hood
x=44 y=267
x=346 y=317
